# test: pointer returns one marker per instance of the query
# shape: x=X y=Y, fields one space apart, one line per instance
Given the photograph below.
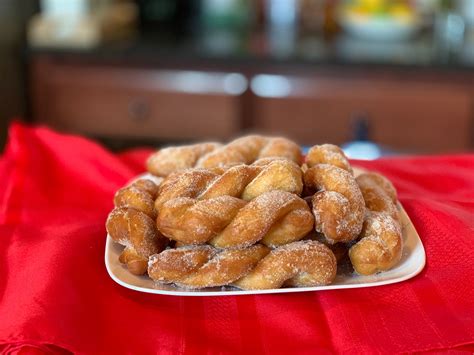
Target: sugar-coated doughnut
x=299 y=264
x=244 y=150
x=381 y=243
x=338 y=205
x=274 y=218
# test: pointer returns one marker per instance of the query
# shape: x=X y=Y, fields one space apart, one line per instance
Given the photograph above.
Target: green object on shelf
x=227 y=13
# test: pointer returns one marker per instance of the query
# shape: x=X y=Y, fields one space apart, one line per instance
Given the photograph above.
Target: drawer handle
x=139 y=110
x=360 y=126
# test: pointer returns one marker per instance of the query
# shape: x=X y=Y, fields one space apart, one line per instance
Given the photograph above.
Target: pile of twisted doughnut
x=253 y=214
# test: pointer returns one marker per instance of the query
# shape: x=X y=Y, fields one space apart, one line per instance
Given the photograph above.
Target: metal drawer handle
x=139 y=110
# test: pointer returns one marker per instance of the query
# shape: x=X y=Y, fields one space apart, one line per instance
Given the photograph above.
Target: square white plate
x=412 y=262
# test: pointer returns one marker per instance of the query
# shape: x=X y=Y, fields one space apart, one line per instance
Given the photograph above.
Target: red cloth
x=56 y=191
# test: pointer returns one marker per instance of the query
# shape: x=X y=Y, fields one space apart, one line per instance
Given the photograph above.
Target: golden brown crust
x=299 y=264
x=204 y=266
x=139 y=195
x=306 y=263
x=242 y=181
x=137 y=232
x=338 y=205
x=244 y=150
x=275 y=218
x=190 y=221
x=168 y=160
x=327 y=154
x=340 y=250
x=136 y=264
x=379 y=193
x=380 y=247
x=279 y=147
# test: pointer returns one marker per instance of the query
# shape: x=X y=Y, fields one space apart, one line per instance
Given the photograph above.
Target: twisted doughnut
x=131 y=224
x=171 y=159
x=137 y=232
x=243 y=150
x=250 y=148
x=304 y=263
x=299 y=264
x=242 y=181
x=274 y=218
x=204 y=266
x=140 y=195
x=327 y=154
x=381 y=243
x=338 y=205
x=379 y=194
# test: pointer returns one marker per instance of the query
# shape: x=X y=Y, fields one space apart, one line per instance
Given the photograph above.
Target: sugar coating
x=168 y=160
x=253 y=222
x=140 y=195
x=242 y=181
x=338 y=204
x=226 y=221
x=327 y=154
x=138 y=233
x=304 y=263
x=250 y=148
x=381 y=243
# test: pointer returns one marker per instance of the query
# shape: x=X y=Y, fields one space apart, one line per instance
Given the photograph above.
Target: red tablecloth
x=55 y=294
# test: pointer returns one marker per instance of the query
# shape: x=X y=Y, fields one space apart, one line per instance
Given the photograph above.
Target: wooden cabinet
x=140 y=103
x=407 y=112
x=408 y=115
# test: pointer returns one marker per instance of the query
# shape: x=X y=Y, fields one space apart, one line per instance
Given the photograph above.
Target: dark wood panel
x=403 y=115
x=409 y=112
x=135 y=103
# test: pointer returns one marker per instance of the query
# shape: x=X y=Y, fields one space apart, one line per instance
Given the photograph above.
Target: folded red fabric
x=55 y=294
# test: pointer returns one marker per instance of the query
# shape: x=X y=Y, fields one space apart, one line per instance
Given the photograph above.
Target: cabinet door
x=120 y=102
x=404 y=115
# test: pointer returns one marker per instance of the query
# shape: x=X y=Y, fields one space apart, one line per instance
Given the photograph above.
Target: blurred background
x=377 y=76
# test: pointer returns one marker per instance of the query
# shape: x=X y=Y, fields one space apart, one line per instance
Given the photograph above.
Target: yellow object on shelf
x=379 y=19
x=380 y=8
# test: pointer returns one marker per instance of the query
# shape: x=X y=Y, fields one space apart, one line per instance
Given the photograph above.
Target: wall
x=14 y=15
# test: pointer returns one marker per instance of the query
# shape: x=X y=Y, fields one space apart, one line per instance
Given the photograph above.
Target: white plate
x=379 y=28
x=411 y=264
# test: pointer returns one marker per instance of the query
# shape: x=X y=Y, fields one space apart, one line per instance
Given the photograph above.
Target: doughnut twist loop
x=328 y=154
x=274 y=218
x=204 y=266
x=137 y=232
x=168 y=160
x=338 y=205
x=248 y=149
x=243 y=150
x=304 y=263
x=381 y=243
x=139 y=195
x=242 y=181
x=131 y=223
x=379 y=194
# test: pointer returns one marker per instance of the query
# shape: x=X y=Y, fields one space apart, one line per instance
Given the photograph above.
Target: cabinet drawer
x=118 y=102
x=407 y=116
